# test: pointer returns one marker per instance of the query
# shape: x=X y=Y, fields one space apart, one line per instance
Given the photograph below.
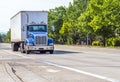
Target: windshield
x=37 y=28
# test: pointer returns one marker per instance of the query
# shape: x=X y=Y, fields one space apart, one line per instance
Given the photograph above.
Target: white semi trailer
x=29 y=32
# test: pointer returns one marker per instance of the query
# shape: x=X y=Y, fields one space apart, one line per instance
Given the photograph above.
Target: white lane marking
x=73 y=69
x=53 y=71
x=83 y=72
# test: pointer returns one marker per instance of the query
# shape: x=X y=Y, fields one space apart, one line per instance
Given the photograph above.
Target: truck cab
x=37 y=39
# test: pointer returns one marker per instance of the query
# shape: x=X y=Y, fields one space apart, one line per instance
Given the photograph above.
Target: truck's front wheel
x=51 y=51
x=27 y=51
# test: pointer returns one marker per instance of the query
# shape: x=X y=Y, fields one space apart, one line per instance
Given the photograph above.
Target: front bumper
x=40 y=48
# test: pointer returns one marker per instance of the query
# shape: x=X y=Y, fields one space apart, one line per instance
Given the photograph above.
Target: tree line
x=85 y=22
x=92 y=22
x=5 y=37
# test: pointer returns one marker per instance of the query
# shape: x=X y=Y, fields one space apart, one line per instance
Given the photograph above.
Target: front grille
x=40 y=40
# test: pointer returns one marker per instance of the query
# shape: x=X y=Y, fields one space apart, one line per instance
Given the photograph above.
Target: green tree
x=56 y=19
x=70 y=29
x=87 y=30
x=0 y=38
x=103 y=17
x=8 y=36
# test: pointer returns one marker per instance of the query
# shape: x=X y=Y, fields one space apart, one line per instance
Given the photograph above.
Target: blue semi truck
x=29 y=32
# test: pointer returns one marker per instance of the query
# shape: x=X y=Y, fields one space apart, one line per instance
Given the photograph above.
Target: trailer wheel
x=15 y=47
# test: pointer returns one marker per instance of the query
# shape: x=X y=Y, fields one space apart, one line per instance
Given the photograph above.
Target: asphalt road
x=67 y=64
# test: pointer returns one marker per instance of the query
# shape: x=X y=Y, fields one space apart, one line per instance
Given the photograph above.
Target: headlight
x=51 y=44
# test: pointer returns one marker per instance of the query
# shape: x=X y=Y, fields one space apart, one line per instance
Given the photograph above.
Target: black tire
x=15 y=47
x=51 y=51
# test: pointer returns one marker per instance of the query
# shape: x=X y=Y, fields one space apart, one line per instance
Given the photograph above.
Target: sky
x=8 y=8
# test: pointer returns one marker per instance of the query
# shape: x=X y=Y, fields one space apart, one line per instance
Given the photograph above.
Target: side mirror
x=52 y=28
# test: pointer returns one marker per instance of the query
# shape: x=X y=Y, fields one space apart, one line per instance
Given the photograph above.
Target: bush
x=110 y=42
x=117 y=42
x=113 y=42
x=97 y=43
